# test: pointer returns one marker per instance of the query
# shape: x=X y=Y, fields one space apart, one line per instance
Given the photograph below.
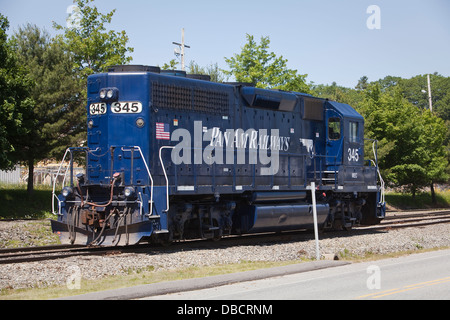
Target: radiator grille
x=184 y=98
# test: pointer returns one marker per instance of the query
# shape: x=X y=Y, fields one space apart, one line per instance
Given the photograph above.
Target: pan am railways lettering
x=257 y=142
x=255 y=139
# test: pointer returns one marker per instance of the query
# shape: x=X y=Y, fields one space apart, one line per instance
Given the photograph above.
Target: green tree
x=362 y=83
x=55 y=91
x=59 y=69
x=170 y=66
x=255 y=64
x=211 y=70
x=415 y=90
x=352 y=97
x=435 y=133
x=388 y=82
x=94 y=49
x=16 y=107
x=411 y=151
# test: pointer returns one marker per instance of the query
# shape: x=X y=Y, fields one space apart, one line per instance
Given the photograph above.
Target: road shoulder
x=162 y=288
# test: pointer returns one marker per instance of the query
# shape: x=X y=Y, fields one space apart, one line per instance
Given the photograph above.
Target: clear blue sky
x=327 y=39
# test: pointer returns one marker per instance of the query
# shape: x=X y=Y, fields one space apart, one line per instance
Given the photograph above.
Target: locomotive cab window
x=334 y=128
x=353 y=131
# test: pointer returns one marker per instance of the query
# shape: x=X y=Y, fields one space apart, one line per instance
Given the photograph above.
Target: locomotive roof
x=346 y=110
x=249 y=92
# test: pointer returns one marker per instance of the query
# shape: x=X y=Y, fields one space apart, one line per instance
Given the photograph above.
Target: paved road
x=418 y=277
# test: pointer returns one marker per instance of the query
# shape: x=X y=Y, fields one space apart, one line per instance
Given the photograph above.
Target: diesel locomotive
x=173 y=156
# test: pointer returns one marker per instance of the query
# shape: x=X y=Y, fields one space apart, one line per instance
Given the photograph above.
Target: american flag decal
x=162 y=131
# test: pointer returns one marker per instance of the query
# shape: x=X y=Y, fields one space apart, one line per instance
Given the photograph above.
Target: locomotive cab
x=344 y=148
x=352 y=174
x=344 y=137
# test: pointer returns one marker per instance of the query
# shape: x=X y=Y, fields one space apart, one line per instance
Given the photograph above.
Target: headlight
x=109 y=94
x=128 y=192
x=140 y=123
x=67 y=191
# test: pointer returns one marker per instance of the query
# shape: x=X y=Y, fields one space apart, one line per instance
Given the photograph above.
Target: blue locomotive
x=172 y=156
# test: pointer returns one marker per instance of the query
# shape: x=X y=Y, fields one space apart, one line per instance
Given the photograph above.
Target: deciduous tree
x=55 y=92
x=255 y=64
x=412 y=153
x=92 y=46
x=16 y=106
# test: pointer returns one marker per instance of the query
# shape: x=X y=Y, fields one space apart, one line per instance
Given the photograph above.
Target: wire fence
x=44 y=176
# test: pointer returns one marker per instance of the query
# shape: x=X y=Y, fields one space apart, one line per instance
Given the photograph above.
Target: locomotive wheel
x=165 y=240
x=217 y=235
x=348 y=228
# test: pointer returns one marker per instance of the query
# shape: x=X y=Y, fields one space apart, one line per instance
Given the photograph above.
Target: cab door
x=334 y=139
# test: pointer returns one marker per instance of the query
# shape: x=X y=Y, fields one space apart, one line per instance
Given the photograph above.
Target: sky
x=329 y=40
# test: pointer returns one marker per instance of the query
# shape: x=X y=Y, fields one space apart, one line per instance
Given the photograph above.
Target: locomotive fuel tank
x=274 y=218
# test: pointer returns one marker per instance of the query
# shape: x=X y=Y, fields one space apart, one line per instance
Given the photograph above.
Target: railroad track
x=411 y=219
x=33 y=254
x=416 y=214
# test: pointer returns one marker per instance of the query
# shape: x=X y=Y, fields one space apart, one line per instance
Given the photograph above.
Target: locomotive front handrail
x=91 y=152
x=58 y=173
x=375 y=154
x=375 y=163
x=54 y=186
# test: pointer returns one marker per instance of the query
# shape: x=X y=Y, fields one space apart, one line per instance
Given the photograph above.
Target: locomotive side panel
x=223 y=143
x=183 y=115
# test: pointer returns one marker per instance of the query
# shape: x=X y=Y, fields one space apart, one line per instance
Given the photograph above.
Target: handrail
x=316 y=159
x=151 y=179
x=375 y=163
x=165 y=175
x=65 y=176
x=375 y=153
x=148 y=171
x=54 y=185
x=70 y=150
x=288 y=155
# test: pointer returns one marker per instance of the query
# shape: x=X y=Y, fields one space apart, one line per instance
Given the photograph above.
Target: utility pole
x=429 y=94
x=182 y=47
